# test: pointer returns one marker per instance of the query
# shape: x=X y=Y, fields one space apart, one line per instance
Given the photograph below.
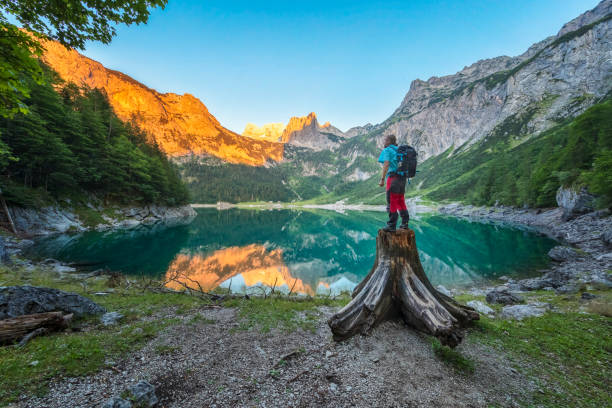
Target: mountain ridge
x=179 y=124
x=300 y=131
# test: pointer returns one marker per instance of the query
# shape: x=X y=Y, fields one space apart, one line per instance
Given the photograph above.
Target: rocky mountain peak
x=554 y=79
x=268 y=131
x=602 y=10
x=301 y=131
x=298 y=124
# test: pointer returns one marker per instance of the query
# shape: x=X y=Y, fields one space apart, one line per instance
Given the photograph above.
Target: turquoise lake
x=308 y=251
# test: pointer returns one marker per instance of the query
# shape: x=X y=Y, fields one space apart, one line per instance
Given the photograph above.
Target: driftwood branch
x=397 y=285
x=27 y=326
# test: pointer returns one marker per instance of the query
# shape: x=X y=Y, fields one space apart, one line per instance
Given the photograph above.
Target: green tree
x=71 y=22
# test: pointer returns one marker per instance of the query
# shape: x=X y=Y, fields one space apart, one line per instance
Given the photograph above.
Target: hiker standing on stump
x=399 y=163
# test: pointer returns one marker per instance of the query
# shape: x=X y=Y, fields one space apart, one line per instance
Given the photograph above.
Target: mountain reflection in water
x=254 y=264
x=311 y=251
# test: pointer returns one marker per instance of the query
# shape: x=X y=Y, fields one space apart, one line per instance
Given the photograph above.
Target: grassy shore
x=566 y=352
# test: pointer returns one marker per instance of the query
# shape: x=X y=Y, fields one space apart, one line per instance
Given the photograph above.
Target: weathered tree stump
x=398 y=286
x=17 y=328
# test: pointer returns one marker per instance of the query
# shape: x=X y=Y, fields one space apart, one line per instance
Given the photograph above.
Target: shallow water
x=308 y=251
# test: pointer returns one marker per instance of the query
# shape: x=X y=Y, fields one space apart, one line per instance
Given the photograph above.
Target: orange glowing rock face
x=255 y=263
x=180 y=124
x=269 y=131
x=297 y=124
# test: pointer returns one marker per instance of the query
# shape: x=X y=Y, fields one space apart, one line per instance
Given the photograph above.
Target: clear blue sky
x=351 y=62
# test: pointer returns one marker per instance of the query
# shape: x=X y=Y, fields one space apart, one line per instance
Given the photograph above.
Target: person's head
x=390 y=140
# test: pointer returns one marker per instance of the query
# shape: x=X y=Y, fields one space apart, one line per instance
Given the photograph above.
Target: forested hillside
x=71 y=144
x=512 y=167
x=211 y=180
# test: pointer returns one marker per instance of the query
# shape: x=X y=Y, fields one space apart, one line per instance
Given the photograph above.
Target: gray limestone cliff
x=557 y=78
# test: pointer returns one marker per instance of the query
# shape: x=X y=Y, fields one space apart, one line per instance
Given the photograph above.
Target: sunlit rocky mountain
x=179 y=124
x=304 y=131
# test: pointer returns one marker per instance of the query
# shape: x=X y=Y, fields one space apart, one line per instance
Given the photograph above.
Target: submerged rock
x=503 y=296
x=21 y=300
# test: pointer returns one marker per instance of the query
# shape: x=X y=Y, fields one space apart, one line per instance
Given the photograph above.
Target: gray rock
x=559 y=277
x=110 y=318
x=562 y=253
x=567 y=289
x=443 y=290
x=4 y=256
x=519 y=312
x=604 y=257
x=117 y=402
x=574 y=202
x=20 y=300
x=587 y=296
x=143 y=394
x=480 y=307
x=61 y=268
x=45 y=220
x=544 y=69
x=503 y=297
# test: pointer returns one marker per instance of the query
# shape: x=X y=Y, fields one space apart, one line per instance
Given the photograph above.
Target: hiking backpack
x=406 y=161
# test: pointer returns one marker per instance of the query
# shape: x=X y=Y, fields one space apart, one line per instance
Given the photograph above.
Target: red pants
x=395 y=202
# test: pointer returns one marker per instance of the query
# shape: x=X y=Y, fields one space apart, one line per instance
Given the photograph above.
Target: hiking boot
x=405 y=219
x=391 y=223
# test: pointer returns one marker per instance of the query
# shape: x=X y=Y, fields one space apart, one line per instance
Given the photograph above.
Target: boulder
x=443 y=290
x=110 y=318
x=22 y=300
x=567 y=289
x=519 y=312
x=503 y=296
x=587 y=296
x=606 y=237
x=480 y=307
x=143 y=394
x=562 y=253
x=4 y=256
x=574 y=202
x=117 y=402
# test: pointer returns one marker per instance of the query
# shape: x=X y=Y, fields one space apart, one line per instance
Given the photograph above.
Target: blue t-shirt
x=389 y=154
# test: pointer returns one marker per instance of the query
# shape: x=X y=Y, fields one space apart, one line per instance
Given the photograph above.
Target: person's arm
x=384 y=173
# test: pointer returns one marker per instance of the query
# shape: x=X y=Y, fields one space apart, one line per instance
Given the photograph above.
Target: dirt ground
x=217 y=365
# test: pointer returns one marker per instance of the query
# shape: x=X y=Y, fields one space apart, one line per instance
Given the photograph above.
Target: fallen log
x=27 y=326
x=397 y=286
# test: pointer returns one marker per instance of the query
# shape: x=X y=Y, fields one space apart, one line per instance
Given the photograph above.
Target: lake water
x=309 y=251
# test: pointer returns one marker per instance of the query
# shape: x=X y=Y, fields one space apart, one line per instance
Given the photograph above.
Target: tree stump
x=397 y=285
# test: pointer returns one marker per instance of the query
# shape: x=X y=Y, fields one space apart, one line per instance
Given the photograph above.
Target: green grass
x=280 y=313
x=69 y=354
x=452 y=357
x=568 y=354
x=78 y=353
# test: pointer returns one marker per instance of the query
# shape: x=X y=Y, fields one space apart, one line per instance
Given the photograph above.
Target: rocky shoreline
x=582 y=262
x=55 y=219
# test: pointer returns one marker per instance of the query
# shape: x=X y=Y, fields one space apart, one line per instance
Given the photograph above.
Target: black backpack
x=406 y=161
